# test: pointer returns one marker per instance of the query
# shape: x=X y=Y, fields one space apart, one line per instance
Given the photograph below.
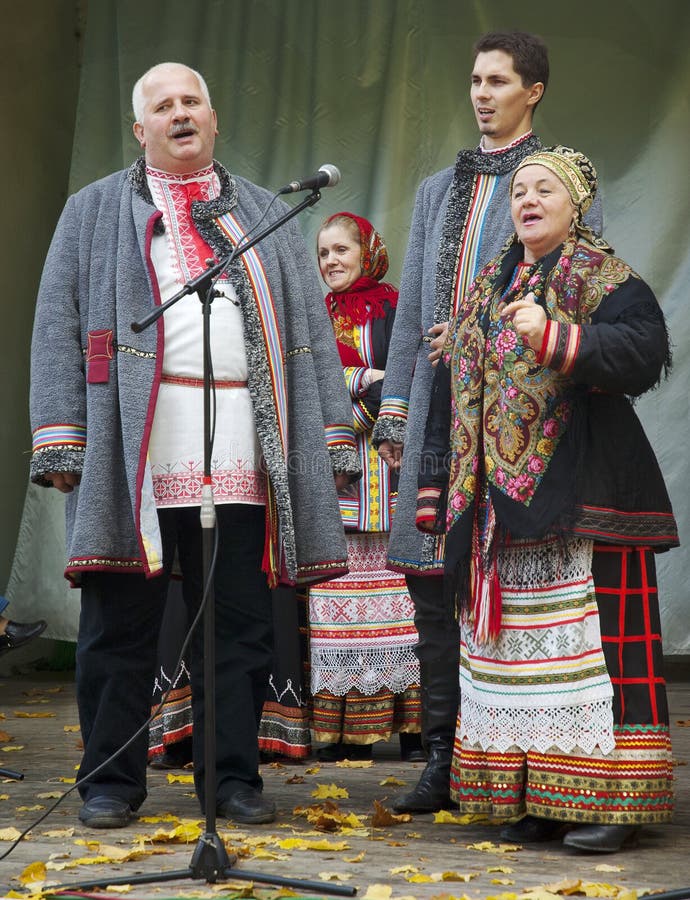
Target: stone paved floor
x=40 y=719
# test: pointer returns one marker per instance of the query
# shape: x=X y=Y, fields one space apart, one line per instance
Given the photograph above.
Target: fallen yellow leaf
x=378 y=892
x=592 y=889
x=33 y=874
x=9 y=834
x=313 y=770
x=154 y=820
x=355 y=764
x=182 y=834
x=453 y=876
x=18 y=714
x=404 y=870
x=59 y=833
x=445 y=817
x=49 y=795
x=329 y=791
x=383 y=818
x=356 y=859
x=262 y=853
x=392 y=781
x=34 y=808
x=300 y=844
x=69 y=728
x=606 y=867
x=180 y=779
x=12 y=748
x=490 y=847
x=334 y=876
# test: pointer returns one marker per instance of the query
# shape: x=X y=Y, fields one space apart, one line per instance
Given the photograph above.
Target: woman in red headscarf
x=364 y=673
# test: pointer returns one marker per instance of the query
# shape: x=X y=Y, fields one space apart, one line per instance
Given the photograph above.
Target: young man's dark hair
x=528 y=51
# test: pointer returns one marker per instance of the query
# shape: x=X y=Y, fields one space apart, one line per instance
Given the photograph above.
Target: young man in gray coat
x=116 y=419
x=461 y=219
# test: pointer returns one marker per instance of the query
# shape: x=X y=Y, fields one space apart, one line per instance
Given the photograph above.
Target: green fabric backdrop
x=380 y=89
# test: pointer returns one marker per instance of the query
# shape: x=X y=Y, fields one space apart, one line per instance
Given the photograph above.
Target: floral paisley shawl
x=508 y=413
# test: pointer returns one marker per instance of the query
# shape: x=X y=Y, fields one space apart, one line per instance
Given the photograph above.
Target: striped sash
x=275 y=357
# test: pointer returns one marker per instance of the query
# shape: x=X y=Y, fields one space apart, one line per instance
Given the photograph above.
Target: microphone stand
x=210 y=860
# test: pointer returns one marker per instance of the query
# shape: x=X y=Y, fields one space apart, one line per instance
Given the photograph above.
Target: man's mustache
x=182 y=128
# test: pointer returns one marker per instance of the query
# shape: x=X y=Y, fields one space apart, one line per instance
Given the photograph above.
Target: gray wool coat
x=409 y=374
x=98 y=279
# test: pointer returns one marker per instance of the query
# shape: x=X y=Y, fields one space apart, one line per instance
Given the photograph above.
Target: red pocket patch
x=99 y=352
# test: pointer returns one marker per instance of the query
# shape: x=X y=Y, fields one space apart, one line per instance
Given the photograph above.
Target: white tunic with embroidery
x=176 y=446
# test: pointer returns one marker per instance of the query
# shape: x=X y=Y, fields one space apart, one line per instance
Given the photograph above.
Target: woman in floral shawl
x=537 y=468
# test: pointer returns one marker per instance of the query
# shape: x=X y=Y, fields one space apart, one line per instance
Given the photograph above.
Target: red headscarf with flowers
x=363 y=300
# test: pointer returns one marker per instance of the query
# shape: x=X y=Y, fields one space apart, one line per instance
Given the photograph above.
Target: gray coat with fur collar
x=98 y=279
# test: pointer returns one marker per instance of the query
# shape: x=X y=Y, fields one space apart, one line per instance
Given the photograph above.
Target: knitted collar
x=468 y=164
x=202 y=211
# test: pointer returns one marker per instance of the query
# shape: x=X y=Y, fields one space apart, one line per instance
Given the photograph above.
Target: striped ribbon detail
x=339 y=436
x=354 y=377
x=363 y=341
x=395 y=407
x=269 y=323
x=363 y=419
x=559 y=346
x=484 y=188
x=427 y=508
x=59 y=435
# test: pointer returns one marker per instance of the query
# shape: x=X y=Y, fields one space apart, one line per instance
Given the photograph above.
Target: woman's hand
x=439 y=333
x=391 y=453
x=529 y=320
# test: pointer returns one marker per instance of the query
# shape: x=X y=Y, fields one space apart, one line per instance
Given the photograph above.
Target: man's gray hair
x=138 y=102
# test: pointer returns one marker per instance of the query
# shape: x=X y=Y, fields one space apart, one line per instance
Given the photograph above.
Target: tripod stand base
x=211 y=863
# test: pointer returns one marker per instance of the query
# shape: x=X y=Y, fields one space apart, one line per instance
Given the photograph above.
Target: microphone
x=327 y=176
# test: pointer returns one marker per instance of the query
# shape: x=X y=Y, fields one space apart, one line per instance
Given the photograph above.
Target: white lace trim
x=366 y=670
x=542 y=729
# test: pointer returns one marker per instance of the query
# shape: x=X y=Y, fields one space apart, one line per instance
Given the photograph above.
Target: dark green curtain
x=381 y=90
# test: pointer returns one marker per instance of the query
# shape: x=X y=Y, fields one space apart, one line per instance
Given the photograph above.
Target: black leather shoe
x=105 y=812
x=532 y=830
x=601 y=838
x=432 y=791
x=175 y=756
x=411 y=749
x=338 y=752
x=18 y=633
x=247 y=806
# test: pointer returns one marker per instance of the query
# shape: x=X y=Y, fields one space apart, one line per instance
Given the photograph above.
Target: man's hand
x=342 y=480
x=529 y=320
x=439 y=333
x=376 y=375
x=391 y=453
x=63 y=481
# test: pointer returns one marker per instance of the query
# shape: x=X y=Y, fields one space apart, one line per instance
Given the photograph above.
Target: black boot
x=440 y=695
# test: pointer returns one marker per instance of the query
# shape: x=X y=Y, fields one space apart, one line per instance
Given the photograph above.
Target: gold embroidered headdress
x=579 y=177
